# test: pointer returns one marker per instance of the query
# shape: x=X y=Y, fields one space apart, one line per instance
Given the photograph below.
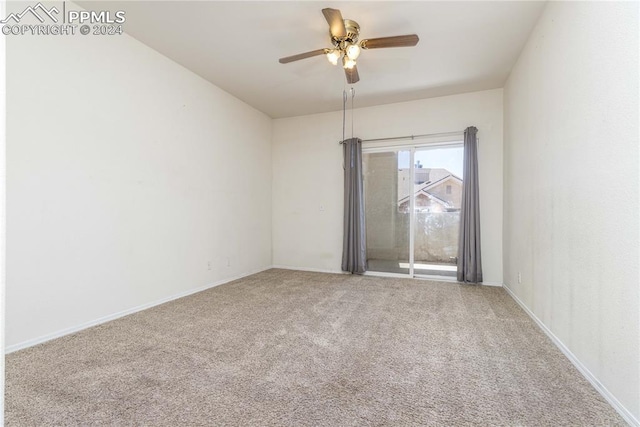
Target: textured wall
x=130 y=180
x=571 y=185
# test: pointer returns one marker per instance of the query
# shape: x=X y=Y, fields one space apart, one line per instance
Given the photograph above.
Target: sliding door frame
x=450 y=141
x=412 y=211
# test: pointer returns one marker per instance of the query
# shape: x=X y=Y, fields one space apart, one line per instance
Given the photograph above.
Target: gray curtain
x=469 y=261
x=354 y=248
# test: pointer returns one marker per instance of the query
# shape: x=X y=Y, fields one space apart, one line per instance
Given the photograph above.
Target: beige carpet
x=297 y=348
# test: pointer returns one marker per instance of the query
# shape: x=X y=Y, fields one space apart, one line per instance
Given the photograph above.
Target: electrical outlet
x=519 y=277
x=208 y=265
x=228 y=262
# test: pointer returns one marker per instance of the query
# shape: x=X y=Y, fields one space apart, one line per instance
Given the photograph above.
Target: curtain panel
x=354 y=248
x=469 y=257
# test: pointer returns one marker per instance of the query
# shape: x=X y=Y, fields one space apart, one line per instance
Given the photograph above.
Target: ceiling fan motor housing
x=353 y=31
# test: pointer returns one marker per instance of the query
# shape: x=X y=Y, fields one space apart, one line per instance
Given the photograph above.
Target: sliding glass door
x=437 y=199
x=412 y=207
x=386 y=180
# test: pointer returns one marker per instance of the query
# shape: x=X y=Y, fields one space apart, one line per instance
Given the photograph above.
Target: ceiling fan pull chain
x=353 y=94
x=344 y=109
x=344 y=112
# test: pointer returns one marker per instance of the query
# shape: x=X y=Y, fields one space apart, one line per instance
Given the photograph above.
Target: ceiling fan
x=344 y=38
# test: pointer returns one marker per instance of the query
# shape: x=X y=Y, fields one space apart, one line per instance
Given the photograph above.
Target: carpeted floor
x=298 y=348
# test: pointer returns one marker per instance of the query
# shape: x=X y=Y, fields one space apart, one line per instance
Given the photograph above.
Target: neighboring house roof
x=431 y=197
x=430 y=184
x=426 y=186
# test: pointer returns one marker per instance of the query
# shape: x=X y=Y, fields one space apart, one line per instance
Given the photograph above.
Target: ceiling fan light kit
x=333 y=55
x=353 y=51
x=344 y=38
x=348 y=63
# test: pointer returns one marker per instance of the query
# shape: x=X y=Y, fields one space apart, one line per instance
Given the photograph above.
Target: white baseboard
x=496 y=284
x=39 y=340
x=615 y=403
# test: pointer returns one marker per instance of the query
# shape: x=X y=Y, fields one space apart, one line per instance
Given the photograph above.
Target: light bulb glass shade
x=353 y=51
x=348 y=63
x=333 y=56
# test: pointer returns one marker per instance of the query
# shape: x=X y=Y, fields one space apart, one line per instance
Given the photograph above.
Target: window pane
x=438 y=194
x=387 y=186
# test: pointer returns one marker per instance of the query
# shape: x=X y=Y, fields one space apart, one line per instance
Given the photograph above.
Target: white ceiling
x=464 y=46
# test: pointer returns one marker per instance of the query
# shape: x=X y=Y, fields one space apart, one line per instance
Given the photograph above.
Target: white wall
x=127 y=174
x=3 y=211
x=571 y=186
x=308 y=176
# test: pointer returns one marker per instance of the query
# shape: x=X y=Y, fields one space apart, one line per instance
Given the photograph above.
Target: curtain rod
x=397 y=138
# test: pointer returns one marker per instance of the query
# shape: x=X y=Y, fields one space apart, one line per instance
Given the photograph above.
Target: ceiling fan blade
x=336 y=23
x=396 y=41
x=352 y=75
x=302 y=56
